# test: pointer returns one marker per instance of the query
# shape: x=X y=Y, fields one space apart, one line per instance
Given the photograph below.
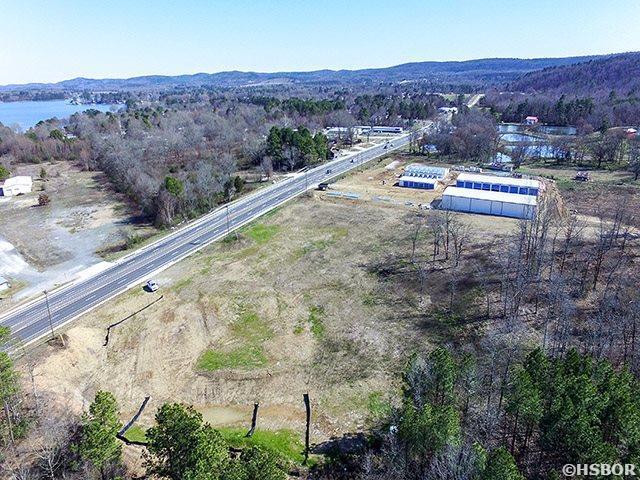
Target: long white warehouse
x=493 y=183
x=489 y=202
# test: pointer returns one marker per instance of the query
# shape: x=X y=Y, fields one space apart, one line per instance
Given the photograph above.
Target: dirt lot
x=597 y=196
x=290 y=306
x=44 y=246
x=378 y=183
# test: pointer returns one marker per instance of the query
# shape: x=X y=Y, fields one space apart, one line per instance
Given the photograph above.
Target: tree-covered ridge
x=597 y=77
x=585 y=112
x=302 y=106
x=439 y=75
x=603 y=91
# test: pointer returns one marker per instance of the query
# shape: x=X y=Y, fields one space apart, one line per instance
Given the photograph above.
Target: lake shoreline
x=25 y=114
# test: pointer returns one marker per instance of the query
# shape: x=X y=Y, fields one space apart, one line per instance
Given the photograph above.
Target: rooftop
x=489 y=195
x=413 y=178
x=520 y=182
x=18 y=180
x=418 y=169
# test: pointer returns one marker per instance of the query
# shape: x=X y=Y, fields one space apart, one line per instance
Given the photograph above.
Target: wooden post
x=254 y=419
x=307 y=406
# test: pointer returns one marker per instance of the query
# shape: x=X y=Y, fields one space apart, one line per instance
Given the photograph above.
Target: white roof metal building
x=16 y=185
x=493 y=183
x=385 y=129
x=410 y=181
x=427 y=171
x=489 y=202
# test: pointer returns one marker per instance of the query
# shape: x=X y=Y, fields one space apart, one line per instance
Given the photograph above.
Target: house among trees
x=452 y=110
x=429 y=149
x=531 y=120
x=16 y=186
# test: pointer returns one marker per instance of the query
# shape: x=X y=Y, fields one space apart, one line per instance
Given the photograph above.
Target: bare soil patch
x=55 y=242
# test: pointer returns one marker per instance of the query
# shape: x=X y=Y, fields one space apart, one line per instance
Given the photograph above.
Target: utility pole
x=46 y=299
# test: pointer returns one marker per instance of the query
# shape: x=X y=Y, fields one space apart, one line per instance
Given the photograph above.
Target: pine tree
x=181 y=447
x=500 y=466
x=98 y=444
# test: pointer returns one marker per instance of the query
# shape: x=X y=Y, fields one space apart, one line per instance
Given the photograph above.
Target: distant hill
x=472 y=73
x=596 y=77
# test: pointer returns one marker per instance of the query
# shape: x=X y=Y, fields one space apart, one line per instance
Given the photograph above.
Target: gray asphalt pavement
x=30 y=322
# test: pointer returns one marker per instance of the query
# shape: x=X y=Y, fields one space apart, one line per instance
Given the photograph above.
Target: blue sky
x=52 y=40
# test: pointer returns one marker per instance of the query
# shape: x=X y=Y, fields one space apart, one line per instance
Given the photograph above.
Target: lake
x=548 y=129
x=518 y=137
x=27 y=114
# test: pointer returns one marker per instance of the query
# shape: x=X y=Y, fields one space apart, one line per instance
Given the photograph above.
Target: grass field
x=250 y=331
x=136 y=434
x=286 y=443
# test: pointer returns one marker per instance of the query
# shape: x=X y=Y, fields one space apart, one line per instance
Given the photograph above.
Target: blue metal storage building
x=421 y=176
x=492 y=183
x=417 y=182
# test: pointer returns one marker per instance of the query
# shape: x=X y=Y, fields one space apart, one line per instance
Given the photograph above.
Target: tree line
x=472 y=134
x=302 y=106
x=588 y=113
x=173 y=160
x=288 y=149
x=455 y=421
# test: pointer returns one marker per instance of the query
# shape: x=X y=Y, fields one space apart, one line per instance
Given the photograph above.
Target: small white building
x=425 y=183
x=334 y=133
x=420 y=170
x=421 y=176
x=451 y=110
x=382 y=129
x=16 y=185
x=489 y=202
x=531 y=120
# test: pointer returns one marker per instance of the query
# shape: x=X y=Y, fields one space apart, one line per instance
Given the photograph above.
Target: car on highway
x=195 y=242
x=329 y=171
x=152 y=286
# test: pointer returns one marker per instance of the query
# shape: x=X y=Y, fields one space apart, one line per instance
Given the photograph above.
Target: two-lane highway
x=30 y=322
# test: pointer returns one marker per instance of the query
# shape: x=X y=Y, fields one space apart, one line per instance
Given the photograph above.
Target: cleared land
x=319 y=296
x=600 y=194
x=55 y=242
x=299 y=301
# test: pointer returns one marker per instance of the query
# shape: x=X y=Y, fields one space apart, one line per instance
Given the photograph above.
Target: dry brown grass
x=328 y=324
